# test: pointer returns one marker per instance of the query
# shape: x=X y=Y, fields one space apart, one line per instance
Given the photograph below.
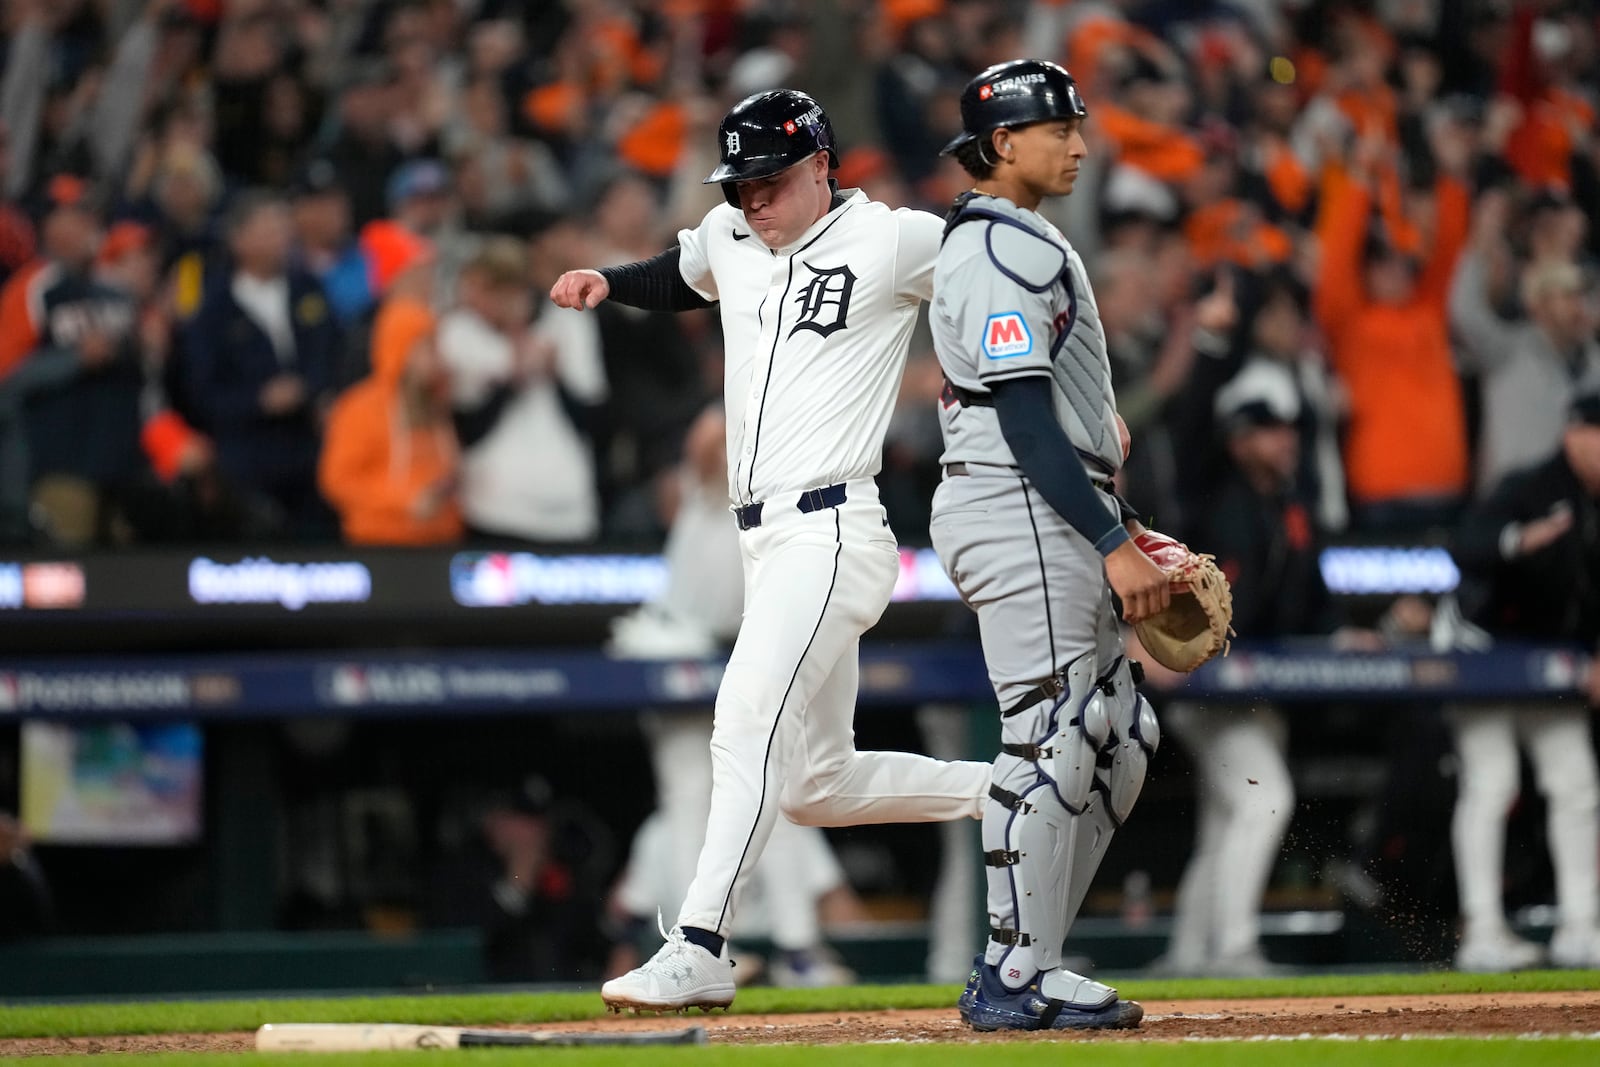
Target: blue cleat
x=1093 y=1006
x=964 y=1002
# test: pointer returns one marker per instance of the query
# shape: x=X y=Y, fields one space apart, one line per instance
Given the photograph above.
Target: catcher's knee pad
x=1124 y=759
x=1134 y=736
x=1051 y=753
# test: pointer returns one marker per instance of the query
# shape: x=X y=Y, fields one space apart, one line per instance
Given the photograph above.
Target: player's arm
x=916 y=253
x=678 y=279
x=654 y=284
x=1038 y=443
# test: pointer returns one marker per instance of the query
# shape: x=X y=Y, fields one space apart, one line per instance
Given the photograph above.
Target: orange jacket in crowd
x=374 y=464
x=1170 y=153
x=1540 y=147
x=1407 y=436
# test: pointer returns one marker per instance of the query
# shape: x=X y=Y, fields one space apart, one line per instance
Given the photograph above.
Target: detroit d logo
x=825 y=300
x=732 y=146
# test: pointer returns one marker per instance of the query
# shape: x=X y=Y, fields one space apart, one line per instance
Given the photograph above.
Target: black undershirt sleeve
x=474 y=424
x=653 y=284
x=1047 y=458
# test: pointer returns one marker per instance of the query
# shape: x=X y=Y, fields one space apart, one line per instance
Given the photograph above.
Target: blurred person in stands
x=1546 y=71
x=266 y=113
x=185 y=192
x=1244 y=319
x=1556 y=228
x=1260 y=525
x=1153 y=343
x=508 y=877
x=1530 y=369
x=1530 y=555
x=1380 y=298
x=25 y=907
x=523 y=390
x=418 y=194
x=69 y=400
x=422 y=204
x=18 y=241
x=75 y=88
x=657 y=383
x=256 y=362
x=390 y=463
x=919 y=66
x=415 y=36
x=498 y=174
x=179 y=495
x=324 y=245
x=363 y=152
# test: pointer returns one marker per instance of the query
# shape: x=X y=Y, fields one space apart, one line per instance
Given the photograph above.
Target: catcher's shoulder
x=1017 y=243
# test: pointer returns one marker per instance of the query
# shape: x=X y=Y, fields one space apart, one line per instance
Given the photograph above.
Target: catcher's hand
x=1196 y=623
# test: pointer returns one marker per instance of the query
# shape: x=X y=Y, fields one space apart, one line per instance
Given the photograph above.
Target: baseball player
x=819 y=290
x=1032 y=535
x=697 y=614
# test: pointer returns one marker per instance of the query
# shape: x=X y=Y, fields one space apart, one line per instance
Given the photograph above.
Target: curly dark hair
x=972 y=157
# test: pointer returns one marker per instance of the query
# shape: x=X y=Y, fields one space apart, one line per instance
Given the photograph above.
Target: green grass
x=1502 y=1052
x=485 y=1009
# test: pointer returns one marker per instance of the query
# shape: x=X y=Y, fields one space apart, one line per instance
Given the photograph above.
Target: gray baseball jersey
x=1011 y=299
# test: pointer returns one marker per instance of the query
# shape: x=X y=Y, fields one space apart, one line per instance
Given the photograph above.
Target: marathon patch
x=1006 y=336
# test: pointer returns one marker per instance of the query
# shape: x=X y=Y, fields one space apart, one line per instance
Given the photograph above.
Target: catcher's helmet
x=1014 y=94
x=769 y=132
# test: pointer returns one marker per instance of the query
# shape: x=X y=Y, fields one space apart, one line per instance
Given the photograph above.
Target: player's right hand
x=580 y=289
x=1139 y=584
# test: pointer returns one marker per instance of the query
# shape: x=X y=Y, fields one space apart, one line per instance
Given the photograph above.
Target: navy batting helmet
x=769 y=132
x=1014 y=94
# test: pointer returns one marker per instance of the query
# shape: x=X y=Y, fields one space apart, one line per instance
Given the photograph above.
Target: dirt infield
x=1459 y=1015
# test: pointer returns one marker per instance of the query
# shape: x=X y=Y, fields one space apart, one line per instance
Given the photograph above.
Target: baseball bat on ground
x=368 y=1037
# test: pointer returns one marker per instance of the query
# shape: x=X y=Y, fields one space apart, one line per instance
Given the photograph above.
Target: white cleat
x=1578 y=948
x=681 y=975
x=1497 y=952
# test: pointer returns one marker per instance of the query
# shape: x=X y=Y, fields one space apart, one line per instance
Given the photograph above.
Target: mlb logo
x=1006 y=336
x=985 y=92
x=347 y=685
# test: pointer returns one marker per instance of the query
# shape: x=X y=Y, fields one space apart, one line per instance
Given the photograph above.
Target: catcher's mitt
x=1196 y=624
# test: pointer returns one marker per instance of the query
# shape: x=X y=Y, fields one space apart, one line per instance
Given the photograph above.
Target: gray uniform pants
x=1038 y=586
x=1040 y=593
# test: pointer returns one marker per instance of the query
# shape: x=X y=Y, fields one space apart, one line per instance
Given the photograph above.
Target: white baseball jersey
x=1013 y=300
x=815 y=335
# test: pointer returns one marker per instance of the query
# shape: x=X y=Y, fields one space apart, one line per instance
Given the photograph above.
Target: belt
x=959 y=470
x=829 y=496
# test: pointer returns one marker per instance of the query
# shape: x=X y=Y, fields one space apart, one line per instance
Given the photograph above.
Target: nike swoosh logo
x=737 y=236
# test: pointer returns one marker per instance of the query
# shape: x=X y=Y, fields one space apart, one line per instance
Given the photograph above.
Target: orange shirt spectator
x=1233 y=231
x=1166 y=152
x=389 y=457
x=1540 y=147
x=1390 y=343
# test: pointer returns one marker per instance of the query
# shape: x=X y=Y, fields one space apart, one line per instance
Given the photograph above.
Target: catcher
x=1032 y=535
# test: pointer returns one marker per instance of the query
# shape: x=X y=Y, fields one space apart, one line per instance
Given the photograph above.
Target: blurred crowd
x=277 y=268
